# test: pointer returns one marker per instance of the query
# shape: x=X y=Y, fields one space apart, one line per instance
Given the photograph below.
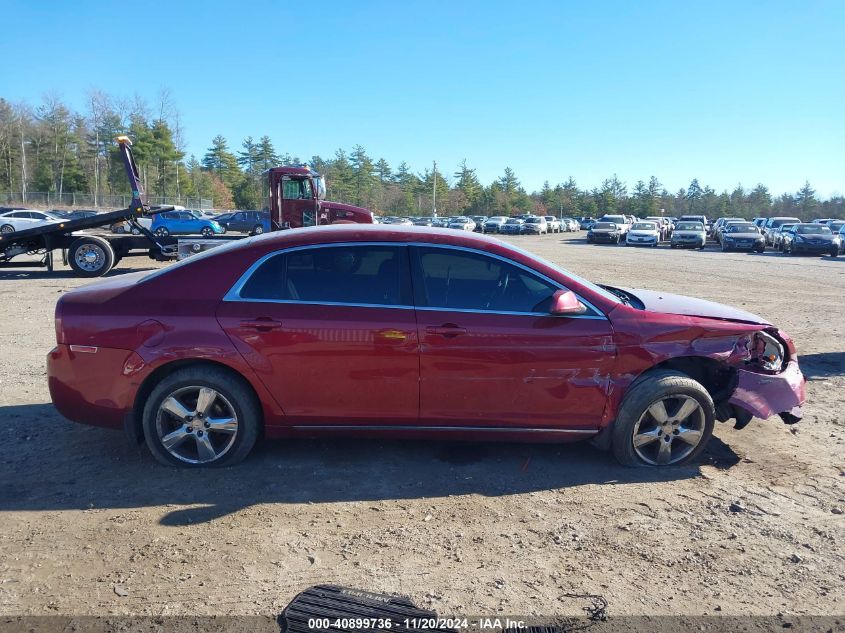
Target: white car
x=125 y=227
x=21 y=219
x=462 y=223
x=643 y=234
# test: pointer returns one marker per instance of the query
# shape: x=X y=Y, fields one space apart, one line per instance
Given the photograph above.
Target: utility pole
x=434 y=191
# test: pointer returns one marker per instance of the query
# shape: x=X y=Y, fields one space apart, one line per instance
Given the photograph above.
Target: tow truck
x=297 y=199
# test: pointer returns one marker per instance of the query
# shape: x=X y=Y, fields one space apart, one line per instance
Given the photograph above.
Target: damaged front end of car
x=767 y=380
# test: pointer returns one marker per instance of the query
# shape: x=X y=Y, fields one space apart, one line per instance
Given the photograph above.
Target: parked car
x=824 y=221
x=742 y=236
x=22 y=219
x=620 y=221
x=570 y=225
x=203 y=357
x=423 y=221
x=643 y=234
x=252 y=222
x=663 y=225
x=836 y=225
x=841 y=235
x=808 y=238
x=759 y=222
x=79 y=214
x=462 y=223
x=492 y=225
x=689 y=235
x=183 y=223
x=585 y=224
x=126 y=227
x=554 y=225
x=775 y=222
x=777 y=236
x=697 y=218
x=513 y=226
x=608 y=232
x=479 y=222
x=725 y=226
x=535 y=225
x=717 y=225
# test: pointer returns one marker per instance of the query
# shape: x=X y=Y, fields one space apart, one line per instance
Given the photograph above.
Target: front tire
x=665 y=419
x=162 y=232
x=6 y=229
x=257 y=229
x=207 y=231
x=201 y=417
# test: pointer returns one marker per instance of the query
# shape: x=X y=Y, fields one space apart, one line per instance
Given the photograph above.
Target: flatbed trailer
x=92 y=255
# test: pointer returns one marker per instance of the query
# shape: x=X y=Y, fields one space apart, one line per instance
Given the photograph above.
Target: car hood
x=690 y=306
x=688 y=233
x=643 y=233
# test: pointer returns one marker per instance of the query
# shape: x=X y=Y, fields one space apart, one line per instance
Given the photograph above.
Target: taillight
x=60 y=331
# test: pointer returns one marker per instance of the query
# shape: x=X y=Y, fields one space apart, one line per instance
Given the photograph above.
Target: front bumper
x=804 y=247
x=603 y=237
x=745 y=245
x=765 y=395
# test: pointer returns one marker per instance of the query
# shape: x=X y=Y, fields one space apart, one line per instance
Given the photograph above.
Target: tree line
x=49 y=147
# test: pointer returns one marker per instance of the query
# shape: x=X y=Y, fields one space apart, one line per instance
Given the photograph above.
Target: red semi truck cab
x=297 y=199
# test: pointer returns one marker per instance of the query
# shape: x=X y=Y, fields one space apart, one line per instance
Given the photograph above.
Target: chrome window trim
x=234 y=292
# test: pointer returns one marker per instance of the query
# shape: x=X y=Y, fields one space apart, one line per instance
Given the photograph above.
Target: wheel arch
x=718 y=378
x=133 y=425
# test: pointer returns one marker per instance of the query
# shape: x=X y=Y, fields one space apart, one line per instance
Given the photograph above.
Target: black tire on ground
x=257 y=229
x=228 y=384
x=162 y=232
x=91 y=256
x=7 y=228
x=207 y=231
x=643 y=394
x=118 y=228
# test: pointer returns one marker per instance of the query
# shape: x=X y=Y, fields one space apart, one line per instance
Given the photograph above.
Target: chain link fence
x=88 y=201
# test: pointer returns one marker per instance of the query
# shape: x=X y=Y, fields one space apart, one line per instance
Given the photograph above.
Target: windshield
x=534 y=220
x=320 y=187
x=742 y=228
x=689 y=226
x=514 y=221
x=812 y=229
x=781 y=221
x=604 y=225
x=644 y=226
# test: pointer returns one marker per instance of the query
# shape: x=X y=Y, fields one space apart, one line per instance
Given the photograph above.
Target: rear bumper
x=814 y=248
x=96 y=388
x=765 y=395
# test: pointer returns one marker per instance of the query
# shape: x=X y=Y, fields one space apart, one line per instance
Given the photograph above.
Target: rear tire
x=663 y=411
x=91 y=256
x=257 y=229
x=202 y=446
x=162 y=232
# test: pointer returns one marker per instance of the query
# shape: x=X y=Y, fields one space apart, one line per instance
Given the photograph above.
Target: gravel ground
x=90 y=525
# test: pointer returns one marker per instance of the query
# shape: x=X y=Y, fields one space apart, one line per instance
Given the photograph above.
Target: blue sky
x=728 y=92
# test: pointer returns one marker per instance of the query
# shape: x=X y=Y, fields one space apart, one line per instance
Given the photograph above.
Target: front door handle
x=448 y=330
x=262 y=324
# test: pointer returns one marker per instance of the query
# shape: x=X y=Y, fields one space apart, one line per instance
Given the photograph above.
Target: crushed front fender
x=765 y=395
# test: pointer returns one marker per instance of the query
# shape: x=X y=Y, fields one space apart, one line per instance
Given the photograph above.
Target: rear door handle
x=262 y=324
x=448 y=330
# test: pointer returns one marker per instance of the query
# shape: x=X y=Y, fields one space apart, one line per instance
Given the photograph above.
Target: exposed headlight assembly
x=767 y=352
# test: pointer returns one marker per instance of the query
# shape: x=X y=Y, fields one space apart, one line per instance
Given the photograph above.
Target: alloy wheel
x=669 y=430
x=90 y=257
x=196 y=424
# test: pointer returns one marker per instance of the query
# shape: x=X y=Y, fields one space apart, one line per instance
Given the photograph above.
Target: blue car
x=184 y=223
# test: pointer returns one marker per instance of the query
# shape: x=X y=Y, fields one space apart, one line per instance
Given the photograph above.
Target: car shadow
x=823 y=365
x=24 y=273
x=50 y=463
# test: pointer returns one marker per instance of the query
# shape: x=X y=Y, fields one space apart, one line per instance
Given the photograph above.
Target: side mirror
x=566 y=302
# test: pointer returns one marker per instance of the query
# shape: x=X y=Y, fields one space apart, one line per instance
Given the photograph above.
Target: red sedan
x=407 y=332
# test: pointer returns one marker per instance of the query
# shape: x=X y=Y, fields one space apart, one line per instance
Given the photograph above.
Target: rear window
x=367 y=274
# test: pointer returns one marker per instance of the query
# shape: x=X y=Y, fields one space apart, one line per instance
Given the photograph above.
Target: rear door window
x=376 y=275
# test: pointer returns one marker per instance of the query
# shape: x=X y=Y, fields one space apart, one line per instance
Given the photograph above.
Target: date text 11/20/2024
x=422 y=624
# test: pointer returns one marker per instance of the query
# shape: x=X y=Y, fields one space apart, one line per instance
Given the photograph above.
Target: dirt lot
x=90 y=525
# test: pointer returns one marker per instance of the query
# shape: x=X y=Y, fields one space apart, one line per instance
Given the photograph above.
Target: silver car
x=689 y=235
